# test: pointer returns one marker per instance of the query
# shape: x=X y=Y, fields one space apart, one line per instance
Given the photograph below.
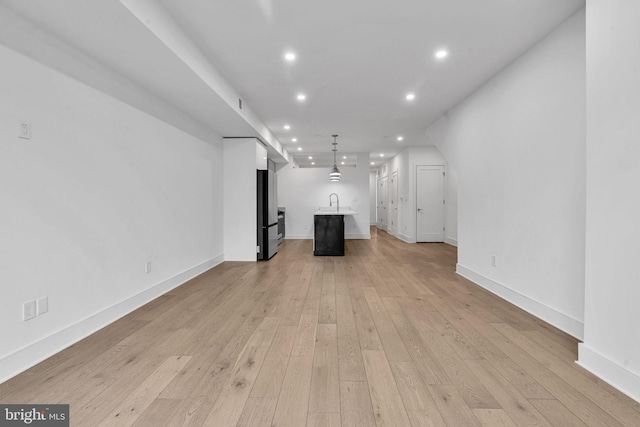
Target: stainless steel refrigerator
x=267 y=215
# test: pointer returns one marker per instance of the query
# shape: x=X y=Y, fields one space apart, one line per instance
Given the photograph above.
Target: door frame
x=393 y=204
x=382 y=202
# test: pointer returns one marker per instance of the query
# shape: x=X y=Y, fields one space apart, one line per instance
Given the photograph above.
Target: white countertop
x=331 y=210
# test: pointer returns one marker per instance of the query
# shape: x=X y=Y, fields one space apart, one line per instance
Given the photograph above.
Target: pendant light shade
x=335 y=174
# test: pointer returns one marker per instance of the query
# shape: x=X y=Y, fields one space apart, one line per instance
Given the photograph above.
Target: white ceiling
x=356 y=59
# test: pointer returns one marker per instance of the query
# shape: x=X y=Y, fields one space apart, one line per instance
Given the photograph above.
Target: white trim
x=393 y=233
x=32 y=354
x=450 y=241
x=609 y=371
x=550 y=315
x=405 y=238
x=298 y=237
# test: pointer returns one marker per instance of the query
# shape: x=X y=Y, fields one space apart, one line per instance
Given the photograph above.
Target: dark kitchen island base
x=328 y=235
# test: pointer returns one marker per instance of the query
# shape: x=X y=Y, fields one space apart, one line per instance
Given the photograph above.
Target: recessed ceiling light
x=400 y=138
x=299 y=148
x=373 y=163
x=410 y=97
x=290 y=56
x=342 y=163
x=381 y=155
x=301 y=97
x=344 y=157
x=313 y=163
x=287 y=127
x=294 y=139
x=441 y=54
x=310 y=157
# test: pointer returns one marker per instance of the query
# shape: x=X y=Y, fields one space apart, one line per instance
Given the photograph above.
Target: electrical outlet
x=147 y=267
x=24 y=130
x=29 y=310
x=43 y=305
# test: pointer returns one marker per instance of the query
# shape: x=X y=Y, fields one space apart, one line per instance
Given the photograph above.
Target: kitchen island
x=328 y=231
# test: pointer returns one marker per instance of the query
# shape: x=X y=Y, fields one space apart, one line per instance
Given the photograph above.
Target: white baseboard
x=298 y=236
x=550 y=315
x=28 y=356
x=405 y=238
x=622 y=379
x=450 y=241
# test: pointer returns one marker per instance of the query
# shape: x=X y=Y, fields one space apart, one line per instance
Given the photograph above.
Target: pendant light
x=334 y=175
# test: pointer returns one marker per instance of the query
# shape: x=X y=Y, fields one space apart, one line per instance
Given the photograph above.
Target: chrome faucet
x=337 y=201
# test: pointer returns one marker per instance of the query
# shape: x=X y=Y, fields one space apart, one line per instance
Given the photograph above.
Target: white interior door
x=393 y=203
x=430 y=204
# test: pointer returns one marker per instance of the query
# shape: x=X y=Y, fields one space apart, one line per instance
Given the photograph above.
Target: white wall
x=100 y=189
x=242 y=157
x=33 y=41
x=303 y=190
x=451 y=210
x=518 y=146
x=611 y=346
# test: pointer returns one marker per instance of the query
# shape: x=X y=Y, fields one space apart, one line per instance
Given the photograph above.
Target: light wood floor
x=388 y=335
